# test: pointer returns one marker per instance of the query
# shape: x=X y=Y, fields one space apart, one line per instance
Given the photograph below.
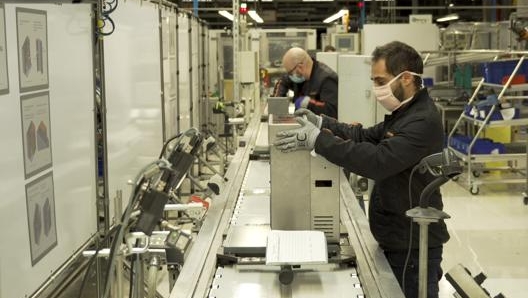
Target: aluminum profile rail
x=196 y=274
x=375 y=273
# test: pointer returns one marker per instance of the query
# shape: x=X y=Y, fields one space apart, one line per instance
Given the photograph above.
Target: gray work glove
x=302 y=138
x=315 y=119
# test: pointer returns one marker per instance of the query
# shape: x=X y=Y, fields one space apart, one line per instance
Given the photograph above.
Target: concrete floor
x=489 y=234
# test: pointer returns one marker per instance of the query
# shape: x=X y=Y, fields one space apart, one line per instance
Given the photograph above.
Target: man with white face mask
x=387 y=152
x=314 y=84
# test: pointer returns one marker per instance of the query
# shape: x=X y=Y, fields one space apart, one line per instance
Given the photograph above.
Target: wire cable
x=92 y=259
x=131 y=280
x=108 y=8
x=134 y=195
x=104 y=19
x=409 y=249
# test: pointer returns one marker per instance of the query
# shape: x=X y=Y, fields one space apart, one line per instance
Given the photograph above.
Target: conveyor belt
x=239 y=220
x=262 y=281
x=246 y=236
x=250 y=222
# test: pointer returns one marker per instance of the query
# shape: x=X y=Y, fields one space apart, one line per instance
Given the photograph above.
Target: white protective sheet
x=133 y=94
x=64 y=191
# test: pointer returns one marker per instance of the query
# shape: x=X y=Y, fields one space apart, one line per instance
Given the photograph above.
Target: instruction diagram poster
x=36 y=132
x=4 y=79
x=32 y=34
x=40 y=202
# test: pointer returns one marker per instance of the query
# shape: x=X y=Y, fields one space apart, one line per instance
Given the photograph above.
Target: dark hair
x=400 y=57
x=329 y=48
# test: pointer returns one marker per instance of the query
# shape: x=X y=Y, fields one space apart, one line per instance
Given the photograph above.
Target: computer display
x=346 y=42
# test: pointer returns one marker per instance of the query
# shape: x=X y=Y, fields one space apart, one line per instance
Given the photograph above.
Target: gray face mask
x=296 y=78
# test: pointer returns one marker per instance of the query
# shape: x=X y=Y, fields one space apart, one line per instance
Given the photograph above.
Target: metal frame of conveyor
x=198 y=272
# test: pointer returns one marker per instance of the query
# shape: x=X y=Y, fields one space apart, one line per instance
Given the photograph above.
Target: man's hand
x=302 y=138
x=302 y=102
x=315 y=119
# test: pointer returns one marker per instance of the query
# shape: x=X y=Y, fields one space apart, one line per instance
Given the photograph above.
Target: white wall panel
x=196 y=82
x=133 y=94
x=214 y=36
x=69 y=41
x=184 y=77
x=356 y=101
x=170 y=68
x=423 y=37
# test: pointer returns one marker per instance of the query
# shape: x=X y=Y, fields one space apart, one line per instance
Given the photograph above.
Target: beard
x=398 y=92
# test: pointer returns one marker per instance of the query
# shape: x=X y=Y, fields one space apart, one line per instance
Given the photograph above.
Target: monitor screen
x=345 y=42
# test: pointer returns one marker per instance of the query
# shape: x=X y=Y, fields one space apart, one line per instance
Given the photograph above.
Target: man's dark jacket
x=387 y=153
x=321 y=87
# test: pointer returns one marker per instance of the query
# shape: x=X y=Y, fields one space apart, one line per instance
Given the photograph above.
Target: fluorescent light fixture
x=447 y=18
x=254 y=15
x=226 y=14
x=336 y=16
x=317 y=0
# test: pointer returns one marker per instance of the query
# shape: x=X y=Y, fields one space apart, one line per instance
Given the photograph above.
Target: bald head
x=294 y=56
x=297 y=58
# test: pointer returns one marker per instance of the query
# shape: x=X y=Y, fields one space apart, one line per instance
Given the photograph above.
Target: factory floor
x=489 y=234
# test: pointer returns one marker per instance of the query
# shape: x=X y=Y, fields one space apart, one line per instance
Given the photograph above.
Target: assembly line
x=178 y=149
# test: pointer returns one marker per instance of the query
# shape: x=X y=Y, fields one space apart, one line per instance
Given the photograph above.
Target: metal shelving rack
x=514 y=159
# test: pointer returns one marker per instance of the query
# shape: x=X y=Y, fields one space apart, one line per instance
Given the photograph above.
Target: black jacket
x=387 y=153
x=321 y=87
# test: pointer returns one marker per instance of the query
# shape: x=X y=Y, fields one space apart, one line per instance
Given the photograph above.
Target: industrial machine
x=314 y=203
x=154 y=187
x=346 y=42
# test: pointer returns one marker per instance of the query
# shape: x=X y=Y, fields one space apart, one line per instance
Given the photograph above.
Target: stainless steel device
x=304 y=188
x=278 y=105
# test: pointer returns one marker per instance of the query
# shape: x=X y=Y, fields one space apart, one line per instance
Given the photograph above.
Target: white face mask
x=385 y=96
x=297 y=78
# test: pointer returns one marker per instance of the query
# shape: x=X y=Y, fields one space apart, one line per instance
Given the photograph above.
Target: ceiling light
x=254 y=15
x=336 y=16
x=317 y=0
x=447 y=18
x=226 y=14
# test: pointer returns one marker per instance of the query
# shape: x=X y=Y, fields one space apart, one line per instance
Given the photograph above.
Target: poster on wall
x=4 y=79
x=32 y=35
x=40 y=202
x=36 y=132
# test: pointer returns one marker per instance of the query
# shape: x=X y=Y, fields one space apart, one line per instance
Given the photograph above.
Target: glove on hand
x=302 y=102
x=302 y=138
x=315 y=119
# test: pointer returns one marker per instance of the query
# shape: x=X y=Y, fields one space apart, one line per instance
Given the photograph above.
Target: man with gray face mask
x=314 y=84
x=387 y=153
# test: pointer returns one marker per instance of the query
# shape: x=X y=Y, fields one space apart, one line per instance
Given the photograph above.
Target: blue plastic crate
x=481 y=146
x=494 y=71
x=484 y=111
